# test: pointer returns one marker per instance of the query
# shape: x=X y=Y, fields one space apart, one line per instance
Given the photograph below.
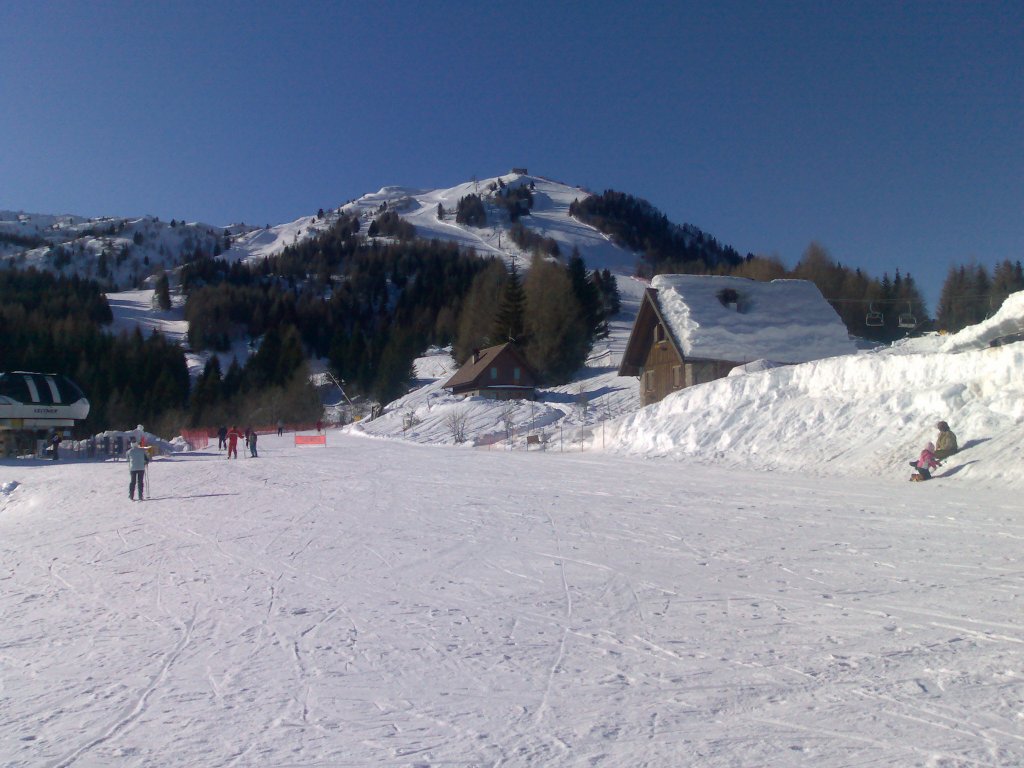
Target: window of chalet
x=659 y=333
x=677 y=376
x=649 y=381
x=515 y=374
x=494 y=373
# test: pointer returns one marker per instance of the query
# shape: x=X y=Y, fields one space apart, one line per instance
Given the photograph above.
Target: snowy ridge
x=255 y=244
x=126 y=251
x=548 y=218
x=162 y=246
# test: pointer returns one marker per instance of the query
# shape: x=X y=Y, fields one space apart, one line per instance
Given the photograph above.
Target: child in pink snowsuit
x=925 y=463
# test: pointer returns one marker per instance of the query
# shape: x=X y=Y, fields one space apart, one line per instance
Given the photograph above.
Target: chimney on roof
x=476 y=355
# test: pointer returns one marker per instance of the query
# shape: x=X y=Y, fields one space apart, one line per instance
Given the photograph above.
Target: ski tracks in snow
x=138 y=702
x=377 y=603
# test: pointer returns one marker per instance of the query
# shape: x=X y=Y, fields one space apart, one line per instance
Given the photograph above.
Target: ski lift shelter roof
x=35 y=400
x=736 y=319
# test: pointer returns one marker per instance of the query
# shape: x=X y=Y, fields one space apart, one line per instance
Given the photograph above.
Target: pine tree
x=470 y=211
x=610 y=290
x=508 y=323
x=953 y=311
x=557 y=339
x=1007 y=278
x=395 y=369
x=163 y=291
x=586 y=294
x=477 y=317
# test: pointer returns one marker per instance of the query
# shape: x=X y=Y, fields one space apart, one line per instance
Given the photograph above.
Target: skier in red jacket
x=233 y=436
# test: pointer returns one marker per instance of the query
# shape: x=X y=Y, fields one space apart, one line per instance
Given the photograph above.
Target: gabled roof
x=709 y=317
x=641 y=338
x=478 y=365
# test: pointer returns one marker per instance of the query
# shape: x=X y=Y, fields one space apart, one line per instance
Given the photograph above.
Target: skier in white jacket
x=138 y=458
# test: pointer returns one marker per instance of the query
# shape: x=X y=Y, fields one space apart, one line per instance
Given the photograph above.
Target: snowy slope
x=165 y=246
x=380 y=603
x=130 y=249
x=597 y=393
x=549 y=218
x=255 y=244
x=865 y=414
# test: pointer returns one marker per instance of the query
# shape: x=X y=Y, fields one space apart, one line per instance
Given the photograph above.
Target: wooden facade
x=653 y=355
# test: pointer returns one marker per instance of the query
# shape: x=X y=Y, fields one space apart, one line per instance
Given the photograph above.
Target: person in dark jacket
x=55 y=445
x=222 y=438
x=945 y=443
x=252 y=443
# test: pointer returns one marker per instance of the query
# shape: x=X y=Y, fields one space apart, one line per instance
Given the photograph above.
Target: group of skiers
x=228 y=439
x=945 y=445
x=138 y=457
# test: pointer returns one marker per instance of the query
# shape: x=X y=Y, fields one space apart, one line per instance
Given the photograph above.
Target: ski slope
x=377 y=602
x=549 y=218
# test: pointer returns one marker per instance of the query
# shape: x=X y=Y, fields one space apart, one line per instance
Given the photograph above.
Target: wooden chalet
x=692 y=329
x=499 y=373
x=653 y=355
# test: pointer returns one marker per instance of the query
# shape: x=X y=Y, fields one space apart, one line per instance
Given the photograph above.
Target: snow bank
x=1007 y=321
x=860 y=414
x=432 y=415
x=140 y=434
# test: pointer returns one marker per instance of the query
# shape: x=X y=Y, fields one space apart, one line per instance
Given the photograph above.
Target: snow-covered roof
x=737 y=319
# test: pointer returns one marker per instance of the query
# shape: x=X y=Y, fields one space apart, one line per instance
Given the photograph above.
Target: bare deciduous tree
x=456 y=422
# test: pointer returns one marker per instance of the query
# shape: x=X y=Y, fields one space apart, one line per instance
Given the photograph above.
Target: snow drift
x=858 y=414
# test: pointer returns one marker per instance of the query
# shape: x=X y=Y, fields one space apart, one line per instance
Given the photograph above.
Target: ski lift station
x=37 y=402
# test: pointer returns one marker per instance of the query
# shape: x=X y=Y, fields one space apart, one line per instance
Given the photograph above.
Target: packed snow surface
x=377 y=602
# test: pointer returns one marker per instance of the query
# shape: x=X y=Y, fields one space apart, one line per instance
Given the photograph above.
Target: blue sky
x=891 y=133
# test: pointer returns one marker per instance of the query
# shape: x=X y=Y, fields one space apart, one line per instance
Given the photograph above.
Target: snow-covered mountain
x=124 y=251
x=548 y=219
x=129 y=250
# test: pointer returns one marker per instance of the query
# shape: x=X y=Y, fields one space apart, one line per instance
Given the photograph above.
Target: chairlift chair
x=874 y=319
x=907 y=319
